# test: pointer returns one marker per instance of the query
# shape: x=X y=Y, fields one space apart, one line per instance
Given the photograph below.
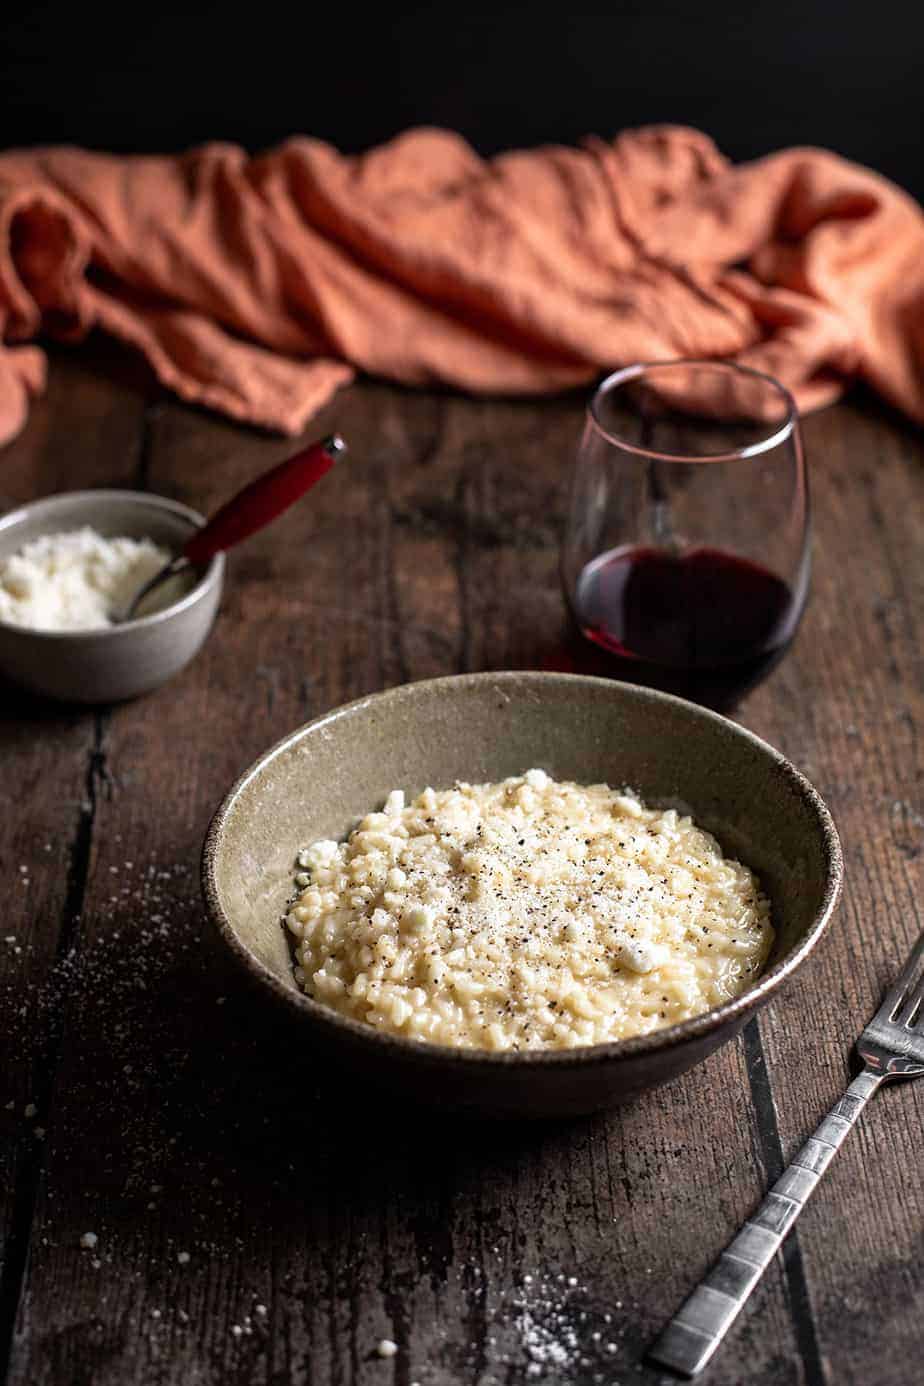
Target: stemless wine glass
x=686 y=555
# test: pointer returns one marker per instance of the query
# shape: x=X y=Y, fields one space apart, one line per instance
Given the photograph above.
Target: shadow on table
x=270 y=1065
x=183 y=1062
x=176 y=1077
x=188 y=1118
x=566 y=651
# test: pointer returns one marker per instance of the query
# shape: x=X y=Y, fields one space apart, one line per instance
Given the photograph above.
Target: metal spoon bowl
x=179 y=564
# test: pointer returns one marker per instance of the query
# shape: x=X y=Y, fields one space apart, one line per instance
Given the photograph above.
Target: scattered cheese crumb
x=30 y=1111
x=183 y=1257
x=88 y=1240
x=387 y=1348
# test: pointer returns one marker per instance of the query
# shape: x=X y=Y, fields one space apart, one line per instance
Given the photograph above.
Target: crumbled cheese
x=319 y=854
x=30 y=1111
x=387 y=1348
x=183 y=1258
x=75 y=579
x=88 y=1240
x=642 y=957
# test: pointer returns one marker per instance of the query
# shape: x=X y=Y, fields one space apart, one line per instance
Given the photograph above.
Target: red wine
x=707 y=624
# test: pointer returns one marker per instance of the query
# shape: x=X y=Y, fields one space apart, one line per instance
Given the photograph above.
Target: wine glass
x=686 y=555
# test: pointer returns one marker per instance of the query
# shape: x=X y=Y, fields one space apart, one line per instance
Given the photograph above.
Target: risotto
x=529 y=914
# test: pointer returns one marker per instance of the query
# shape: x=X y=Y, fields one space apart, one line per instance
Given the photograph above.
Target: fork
x=891 y=1046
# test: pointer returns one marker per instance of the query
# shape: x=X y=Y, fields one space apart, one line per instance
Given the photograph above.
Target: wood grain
x=849 y=709
x=183 y=1120
x=49 y=786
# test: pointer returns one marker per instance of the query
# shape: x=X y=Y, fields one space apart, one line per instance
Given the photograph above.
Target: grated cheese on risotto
x=528 y=914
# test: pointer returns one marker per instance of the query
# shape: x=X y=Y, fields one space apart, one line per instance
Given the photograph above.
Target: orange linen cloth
x=257 y=286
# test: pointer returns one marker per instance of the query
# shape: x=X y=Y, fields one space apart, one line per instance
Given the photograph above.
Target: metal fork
x=891 y=1046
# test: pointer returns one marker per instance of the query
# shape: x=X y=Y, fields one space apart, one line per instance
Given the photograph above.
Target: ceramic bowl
x=478 y=727
x=107 y=665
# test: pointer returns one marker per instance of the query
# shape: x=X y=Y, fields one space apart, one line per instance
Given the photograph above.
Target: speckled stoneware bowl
x=479 y=727
x=115 y=662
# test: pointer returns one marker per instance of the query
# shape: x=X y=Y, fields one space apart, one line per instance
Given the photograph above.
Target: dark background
x=756 y=76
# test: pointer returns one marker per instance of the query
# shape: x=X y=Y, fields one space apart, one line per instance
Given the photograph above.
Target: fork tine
x=912 y=1007
x=896 y=997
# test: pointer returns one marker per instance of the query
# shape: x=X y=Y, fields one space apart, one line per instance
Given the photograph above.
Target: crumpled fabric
x=259 y=285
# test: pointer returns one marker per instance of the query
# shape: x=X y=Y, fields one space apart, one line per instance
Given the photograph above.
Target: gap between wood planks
x=29 y=1172
x=771 y=1148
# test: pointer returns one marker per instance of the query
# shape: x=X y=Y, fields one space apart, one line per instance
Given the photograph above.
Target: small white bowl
x=114 y=662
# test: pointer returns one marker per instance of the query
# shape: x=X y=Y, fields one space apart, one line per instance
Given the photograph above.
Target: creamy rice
x=528 y=914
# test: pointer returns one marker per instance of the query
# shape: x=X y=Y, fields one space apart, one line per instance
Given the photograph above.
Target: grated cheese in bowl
x=73 y=580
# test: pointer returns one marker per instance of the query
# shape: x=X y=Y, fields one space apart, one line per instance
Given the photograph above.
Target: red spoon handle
x=263 y=500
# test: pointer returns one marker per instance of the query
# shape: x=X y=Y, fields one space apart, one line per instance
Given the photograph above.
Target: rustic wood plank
x=346 y=1220
x=183 y=1118
x=849 y=708
x=86 y=431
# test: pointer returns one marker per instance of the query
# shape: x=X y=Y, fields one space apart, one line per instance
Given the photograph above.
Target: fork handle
x=694 y=1333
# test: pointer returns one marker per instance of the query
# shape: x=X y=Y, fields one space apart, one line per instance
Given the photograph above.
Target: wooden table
x=261 y=1222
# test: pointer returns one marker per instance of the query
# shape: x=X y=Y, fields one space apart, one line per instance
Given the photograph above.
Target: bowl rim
x=579 y=1056
x=206 y=581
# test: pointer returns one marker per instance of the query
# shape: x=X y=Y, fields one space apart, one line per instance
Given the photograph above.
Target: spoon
x=252 y=508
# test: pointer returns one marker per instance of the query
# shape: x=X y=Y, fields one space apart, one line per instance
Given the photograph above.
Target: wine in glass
x=686 y=553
